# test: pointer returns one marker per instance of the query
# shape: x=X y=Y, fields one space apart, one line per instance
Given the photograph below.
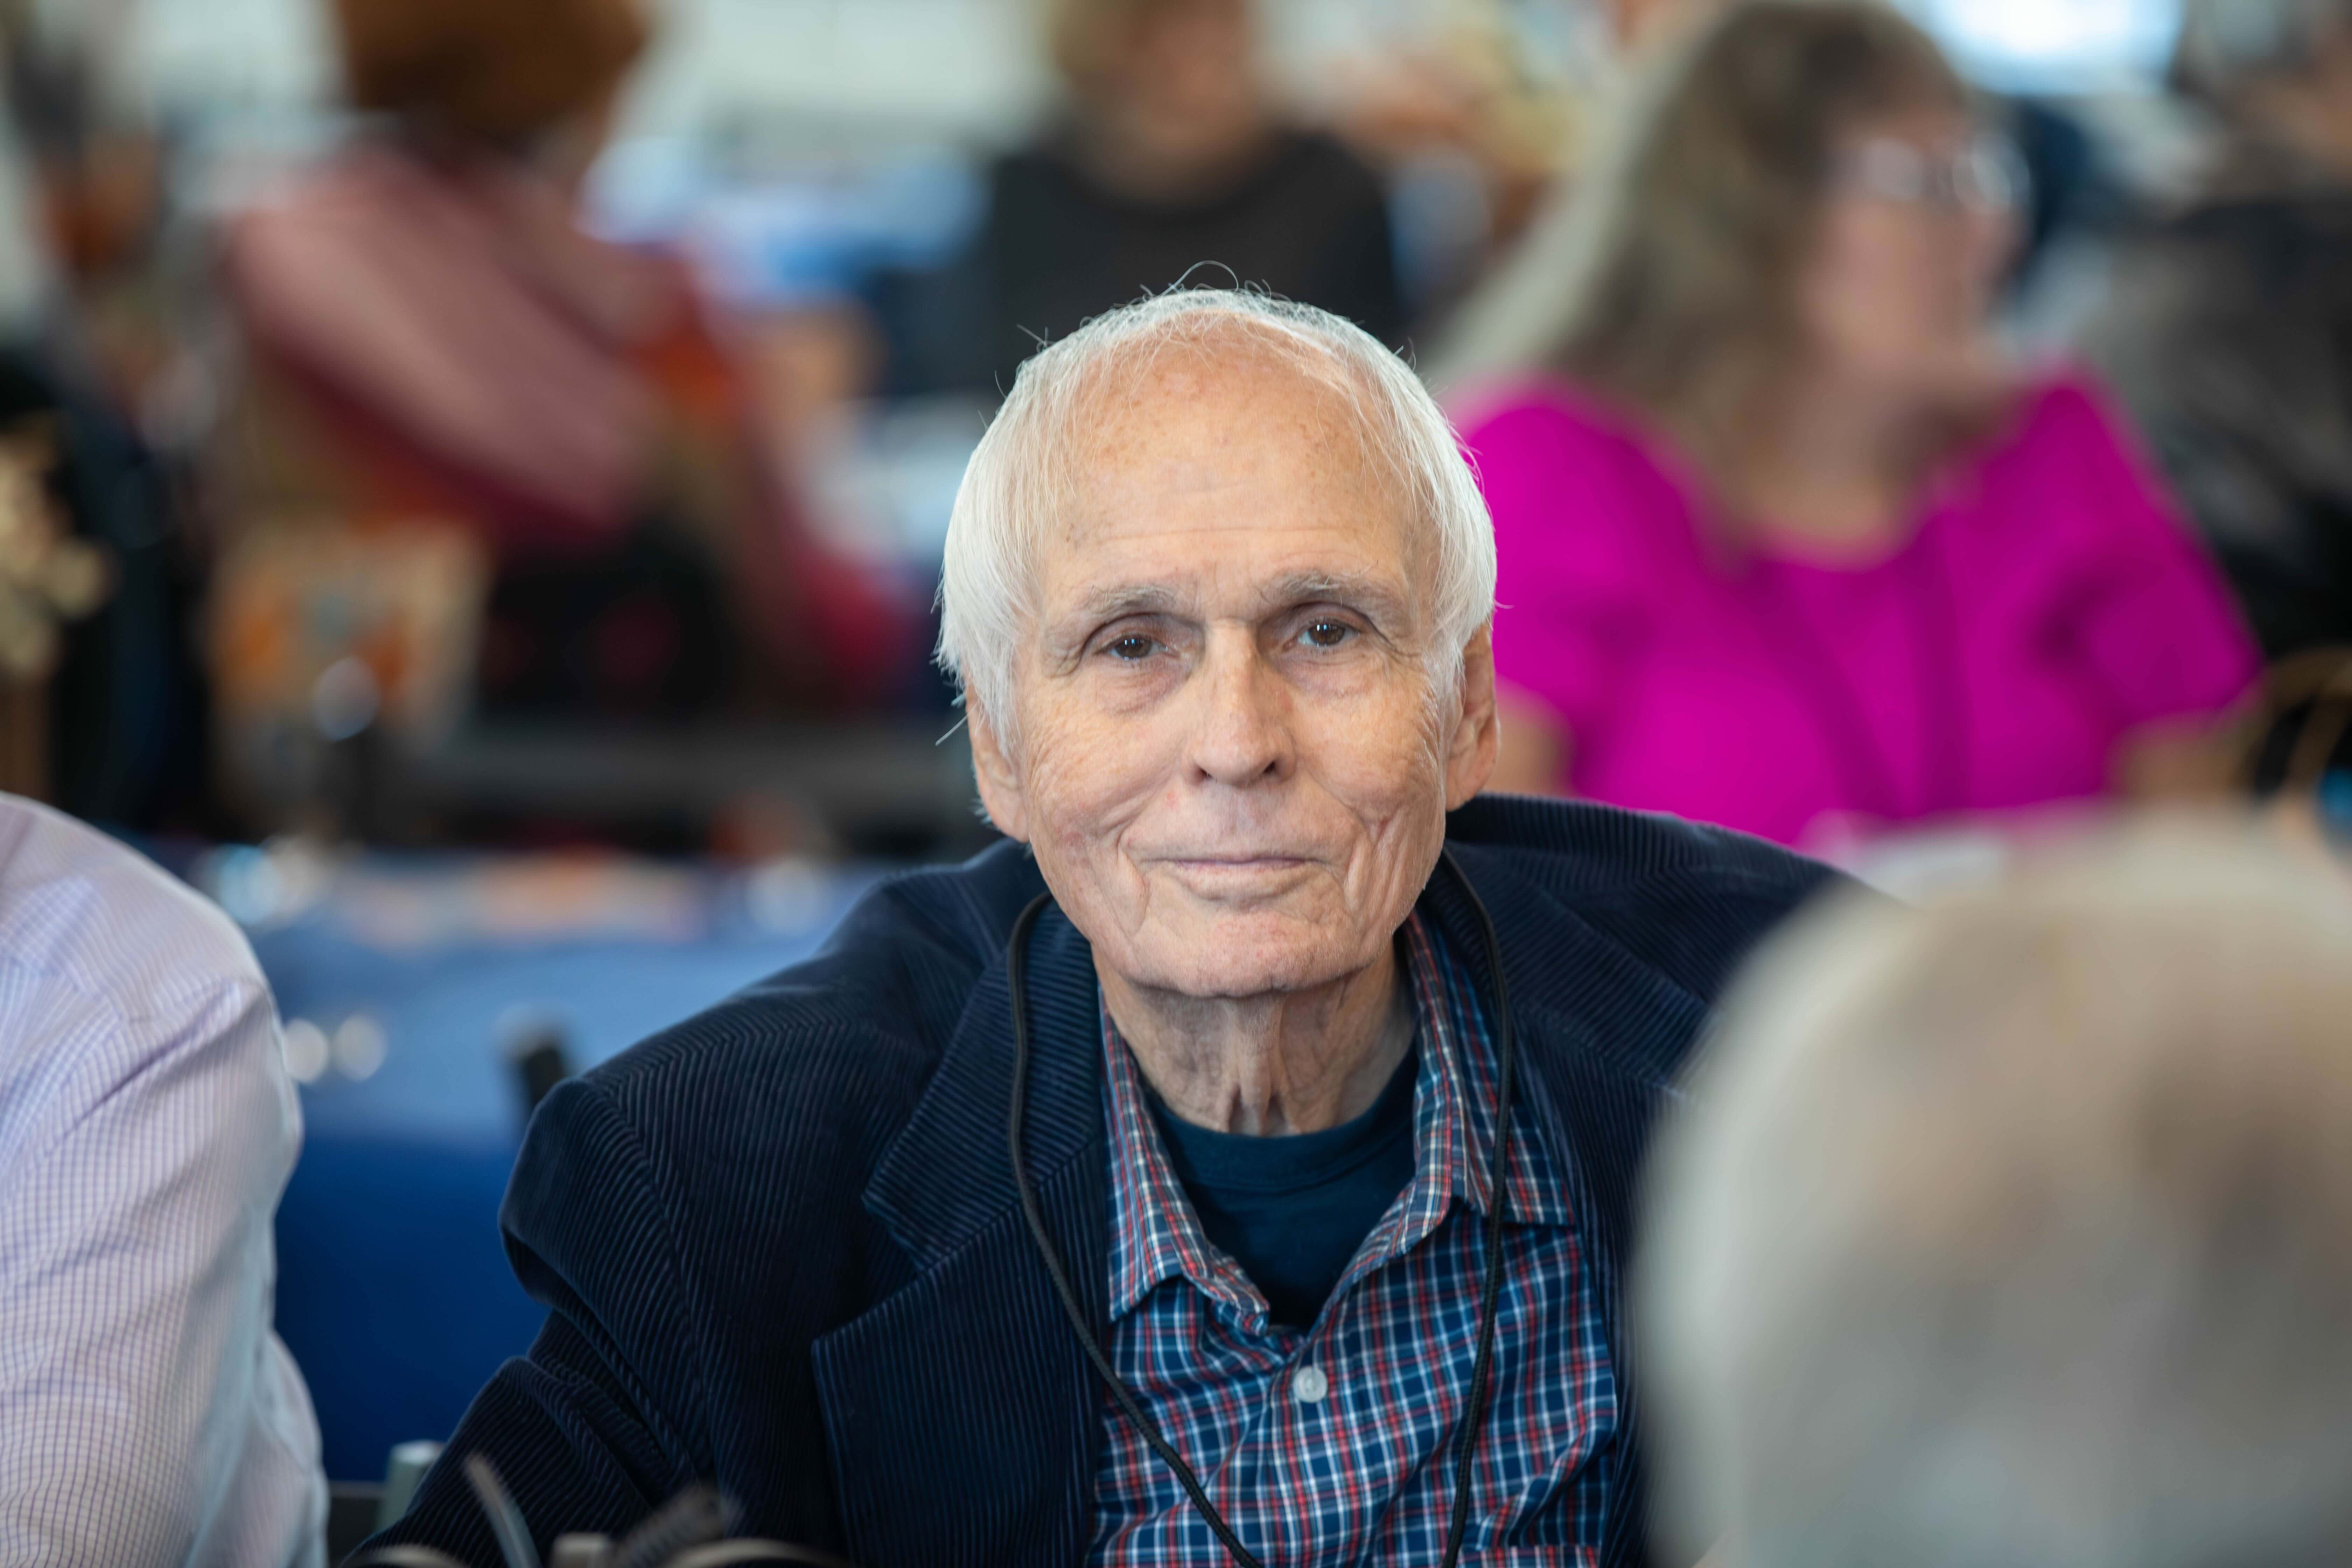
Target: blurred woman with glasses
x=1787 y=541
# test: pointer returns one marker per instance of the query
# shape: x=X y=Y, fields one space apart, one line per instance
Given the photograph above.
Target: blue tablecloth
x=393 y=1291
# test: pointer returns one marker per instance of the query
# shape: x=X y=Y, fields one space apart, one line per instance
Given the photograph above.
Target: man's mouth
x=1228 y=871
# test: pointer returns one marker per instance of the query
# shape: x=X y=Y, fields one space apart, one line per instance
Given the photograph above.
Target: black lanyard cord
x=1498 y=1205
x=1015 y=963
x=1490 y=1290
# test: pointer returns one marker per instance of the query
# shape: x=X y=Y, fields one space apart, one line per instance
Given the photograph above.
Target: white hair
x=1023 y=476
x=2017 y=1232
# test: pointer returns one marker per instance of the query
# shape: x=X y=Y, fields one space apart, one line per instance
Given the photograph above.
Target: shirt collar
x=1468 y=1082
x=1156 y=1237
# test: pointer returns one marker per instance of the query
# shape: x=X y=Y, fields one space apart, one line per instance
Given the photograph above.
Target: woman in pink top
x=1785 y=545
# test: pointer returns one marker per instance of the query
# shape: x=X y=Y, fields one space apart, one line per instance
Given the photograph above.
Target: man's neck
x=1296 y=1061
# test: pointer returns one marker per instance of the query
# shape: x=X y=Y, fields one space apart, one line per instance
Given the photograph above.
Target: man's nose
x=1242 y=726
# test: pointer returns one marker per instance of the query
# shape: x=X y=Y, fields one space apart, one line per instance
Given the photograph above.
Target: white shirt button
x=1308 y=1386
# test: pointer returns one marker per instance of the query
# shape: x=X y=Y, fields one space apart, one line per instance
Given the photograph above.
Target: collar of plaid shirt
x=1353 y=1469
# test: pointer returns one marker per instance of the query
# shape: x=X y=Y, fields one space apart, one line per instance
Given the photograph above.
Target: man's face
x=1224 y=749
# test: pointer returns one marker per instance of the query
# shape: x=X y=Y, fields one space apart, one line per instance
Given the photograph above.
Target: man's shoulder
x=88 y=913
x=1689 y=901
x=1590 y=847
x=859 y=1024
x=109 y=966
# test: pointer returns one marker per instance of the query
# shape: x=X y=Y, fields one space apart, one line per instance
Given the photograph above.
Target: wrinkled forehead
x=1233 y=464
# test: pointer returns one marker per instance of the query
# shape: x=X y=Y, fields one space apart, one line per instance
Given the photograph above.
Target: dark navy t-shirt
x=1292 y=1211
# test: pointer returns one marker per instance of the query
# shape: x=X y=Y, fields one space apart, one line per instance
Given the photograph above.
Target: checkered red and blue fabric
x=1337 y=1444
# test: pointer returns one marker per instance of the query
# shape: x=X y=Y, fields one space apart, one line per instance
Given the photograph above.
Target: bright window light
x=2056 y=45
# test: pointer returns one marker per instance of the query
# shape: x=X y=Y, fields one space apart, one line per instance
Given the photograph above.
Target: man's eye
x=1132 y=647
x=1327 y=634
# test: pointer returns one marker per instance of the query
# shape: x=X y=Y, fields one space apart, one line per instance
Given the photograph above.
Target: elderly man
x=1131 y=1193
x=2019 y=1232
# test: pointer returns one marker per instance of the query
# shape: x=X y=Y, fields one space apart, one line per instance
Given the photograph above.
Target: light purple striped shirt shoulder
x=148 y=1413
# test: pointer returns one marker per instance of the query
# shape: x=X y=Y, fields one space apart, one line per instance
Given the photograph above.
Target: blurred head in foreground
x=2019 y=1231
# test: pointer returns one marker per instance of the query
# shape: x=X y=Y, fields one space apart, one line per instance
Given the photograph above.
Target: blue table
x=393 y=1291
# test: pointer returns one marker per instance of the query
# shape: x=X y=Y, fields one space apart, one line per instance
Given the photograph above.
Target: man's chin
x=1242 y=954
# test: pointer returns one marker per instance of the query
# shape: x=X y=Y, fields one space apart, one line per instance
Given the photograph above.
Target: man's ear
x=1476 y=739
x=1000 y=781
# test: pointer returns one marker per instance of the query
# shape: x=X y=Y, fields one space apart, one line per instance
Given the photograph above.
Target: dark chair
x=352 y=1509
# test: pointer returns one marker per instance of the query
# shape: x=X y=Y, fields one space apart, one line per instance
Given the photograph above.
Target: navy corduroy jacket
x=784 y=1252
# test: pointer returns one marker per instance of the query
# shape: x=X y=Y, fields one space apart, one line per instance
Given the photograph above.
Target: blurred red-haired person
x=435 y=336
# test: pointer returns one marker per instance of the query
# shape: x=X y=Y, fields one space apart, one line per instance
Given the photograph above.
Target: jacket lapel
x=1606 y=1117
x=1577 y=998
x=961 y=1414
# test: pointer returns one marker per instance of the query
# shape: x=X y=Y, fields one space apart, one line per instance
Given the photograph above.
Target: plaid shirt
x=1337 y=1444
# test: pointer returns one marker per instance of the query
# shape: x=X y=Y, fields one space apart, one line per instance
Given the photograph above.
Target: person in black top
x=1171 y=154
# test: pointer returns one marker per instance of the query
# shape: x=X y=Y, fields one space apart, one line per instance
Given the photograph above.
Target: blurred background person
x=2228 y=328
x=436 y=339
x=1171 y=152
x=2018 y=1230
x=148 y=1417
x=102 y=701
x=1788 y=542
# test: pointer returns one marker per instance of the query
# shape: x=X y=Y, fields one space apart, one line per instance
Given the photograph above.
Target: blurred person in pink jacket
x=1787 y=544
